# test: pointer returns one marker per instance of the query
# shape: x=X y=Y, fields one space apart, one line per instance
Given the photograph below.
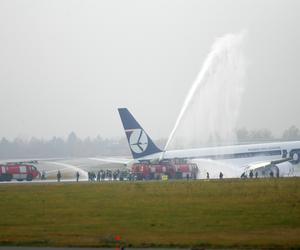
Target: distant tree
x=245 y=135
x=261 y=134
x=72 y=139
x=57 y=147
x=19 y=147
x=292 y=133
x=35 y=148
x=242 y=134
x=5 y=148
x=73 y=144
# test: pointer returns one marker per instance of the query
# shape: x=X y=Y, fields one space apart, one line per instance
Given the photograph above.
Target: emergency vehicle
x=173 y=169
x=18 y=172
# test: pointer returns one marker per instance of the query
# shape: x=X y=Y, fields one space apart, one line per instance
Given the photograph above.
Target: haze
x=68 y=65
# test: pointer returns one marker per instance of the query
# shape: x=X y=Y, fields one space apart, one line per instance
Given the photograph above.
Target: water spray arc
x=211 y=107
x=82 y=172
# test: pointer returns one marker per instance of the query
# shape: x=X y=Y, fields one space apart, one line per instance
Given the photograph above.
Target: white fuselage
x=232 y=159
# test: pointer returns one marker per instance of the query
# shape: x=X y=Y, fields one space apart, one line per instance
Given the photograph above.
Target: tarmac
x=67 y=248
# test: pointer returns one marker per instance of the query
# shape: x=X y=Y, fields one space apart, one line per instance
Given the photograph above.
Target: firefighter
x=114 y=175
x=277 y=173
x=43 y=176
x=98 y=176
x=58 y=176
x=256 y=174
x=251 y=174
x=103 y=175
x=207 y=175
x=221 y=175
x=77 y=176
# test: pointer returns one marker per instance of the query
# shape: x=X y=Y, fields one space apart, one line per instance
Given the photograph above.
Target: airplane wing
x=280 y=166
x=112 y=160
x=265 y=164
x=214 y=167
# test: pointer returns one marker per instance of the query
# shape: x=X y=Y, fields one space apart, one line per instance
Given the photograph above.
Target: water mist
x=210 y=111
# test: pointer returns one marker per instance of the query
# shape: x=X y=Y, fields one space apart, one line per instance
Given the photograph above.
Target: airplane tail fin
x=139 y=142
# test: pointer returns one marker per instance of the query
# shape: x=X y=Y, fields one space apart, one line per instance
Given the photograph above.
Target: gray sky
x=68 y=65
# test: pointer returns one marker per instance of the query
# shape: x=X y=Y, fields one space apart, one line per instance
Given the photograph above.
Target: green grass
x=228 y=213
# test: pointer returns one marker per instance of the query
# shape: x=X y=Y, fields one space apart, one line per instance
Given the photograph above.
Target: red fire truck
x=173 y=169
x=18 y=172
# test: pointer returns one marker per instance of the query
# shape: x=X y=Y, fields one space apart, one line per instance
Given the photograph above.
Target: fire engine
x=173 y=169
x=18 y=172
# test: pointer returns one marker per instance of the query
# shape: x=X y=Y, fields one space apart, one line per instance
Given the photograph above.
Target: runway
x=51 y=248
x=68 y=248
x=69 y=167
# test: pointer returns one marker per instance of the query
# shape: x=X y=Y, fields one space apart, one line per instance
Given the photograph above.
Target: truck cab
x=18 y=172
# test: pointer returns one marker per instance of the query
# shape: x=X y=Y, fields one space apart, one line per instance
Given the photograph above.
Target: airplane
x=232 y=161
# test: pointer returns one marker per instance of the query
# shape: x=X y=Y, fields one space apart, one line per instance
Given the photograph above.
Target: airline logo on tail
x=139 y=142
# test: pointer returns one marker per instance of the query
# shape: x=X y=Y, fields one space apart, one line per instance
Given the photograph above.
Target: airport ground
x=80 y=248
x=262 y=213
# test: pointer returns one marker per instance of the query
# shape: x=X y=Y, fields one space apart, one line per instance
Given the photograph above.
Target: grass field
x=228 y=213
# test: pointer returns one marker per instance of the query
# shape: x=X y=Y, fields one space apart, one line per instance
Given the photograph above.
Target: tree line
x=260 y=135
x=88 y=147
x=58 y=147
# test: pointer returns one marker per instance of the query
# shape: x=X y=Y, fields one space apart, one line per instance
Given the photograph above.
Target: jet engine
x=295 y=156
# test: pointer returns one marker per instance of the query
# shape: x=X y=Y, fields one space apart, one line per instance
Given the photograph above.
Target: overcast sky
x=68 y=65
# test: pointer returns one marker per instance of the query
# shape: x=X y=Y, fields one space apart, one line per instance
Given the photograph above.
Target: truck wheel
x=19 y=179
x=29 y=177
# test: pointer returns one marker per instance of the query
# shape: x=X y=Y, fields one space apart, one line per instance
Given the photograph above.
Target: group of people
x=118 y=175
x=92 y=176
x=255 y=174
x=108 y=174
